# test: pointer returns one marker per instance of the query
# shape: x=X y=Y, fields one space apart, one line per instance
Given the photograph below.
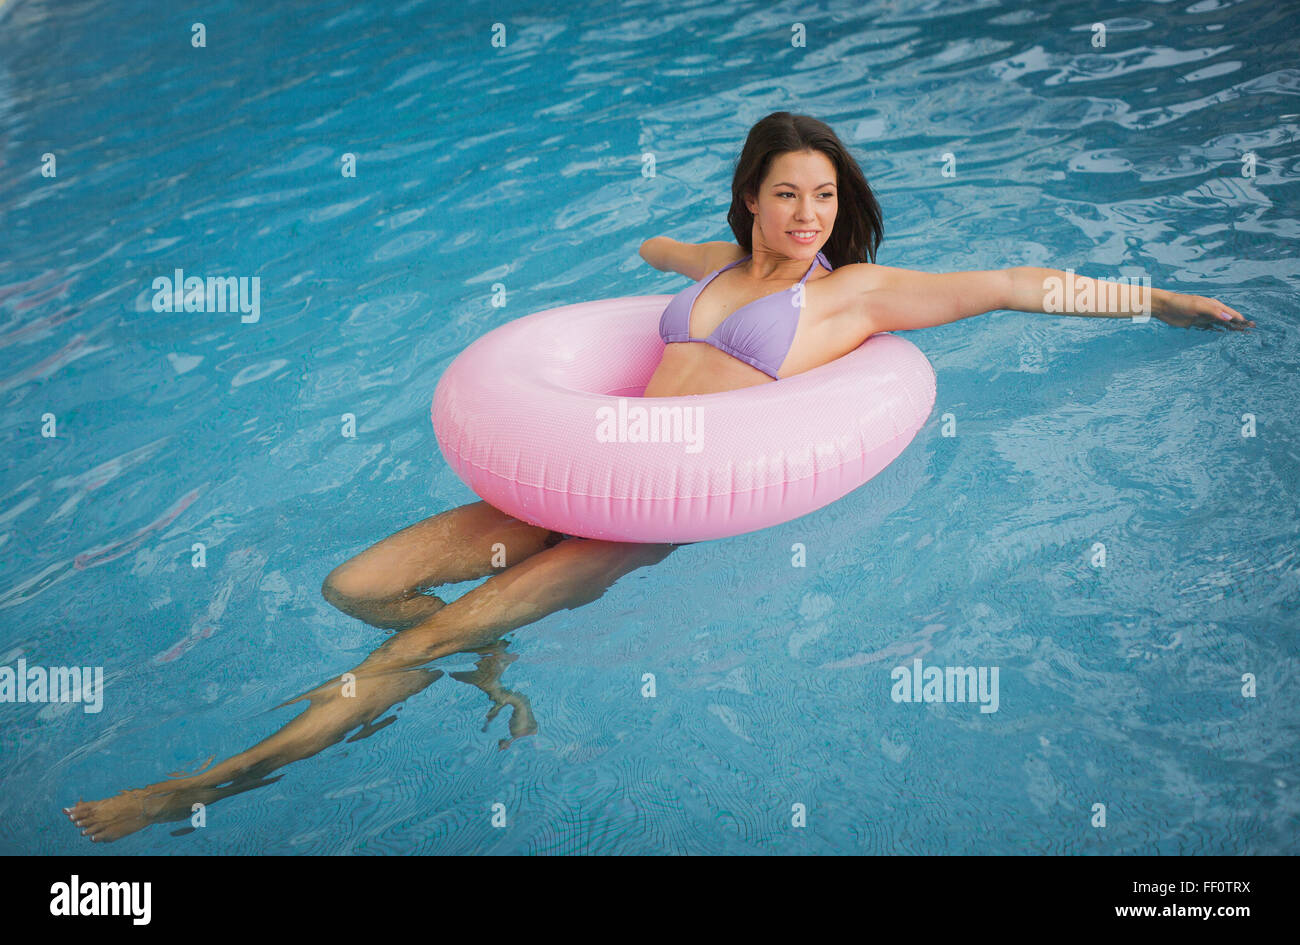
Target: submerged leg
x=567 y=575
x=574 y=572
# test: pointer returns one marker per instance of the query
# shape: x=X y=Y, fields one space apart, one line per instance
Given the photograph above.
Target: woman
x=796 y=293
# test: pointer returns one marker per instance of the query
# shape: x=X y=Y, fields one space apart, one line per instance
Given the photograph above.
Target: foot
x=115 y=817
x=487 y=676
x=522 y=721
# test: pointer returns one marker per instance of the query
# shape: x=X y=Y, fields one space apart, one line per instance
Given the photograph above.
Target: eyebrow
x=786 y=183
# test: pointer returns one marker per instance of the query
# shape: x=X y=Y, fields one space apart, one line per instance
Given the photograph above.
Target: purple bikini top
x=759 y=333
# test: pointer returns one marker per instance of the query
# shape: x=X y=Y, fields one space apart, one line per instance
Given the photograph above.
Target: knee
x=343 y=587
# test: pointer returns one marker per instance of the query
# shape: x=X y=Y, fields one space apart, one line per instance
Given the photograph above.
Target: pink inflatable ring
x=543 y=419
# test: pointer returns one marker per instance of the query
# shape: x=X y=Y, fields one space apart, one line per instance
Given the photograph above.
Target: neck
x=766 y=264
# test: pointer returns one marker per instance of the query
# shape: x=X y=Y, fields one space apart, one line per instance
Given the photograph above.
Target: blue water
x=1120 y=685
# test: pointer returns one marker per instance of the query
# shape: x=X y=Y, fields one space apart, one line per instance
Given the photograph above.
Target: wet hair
x=858 y=229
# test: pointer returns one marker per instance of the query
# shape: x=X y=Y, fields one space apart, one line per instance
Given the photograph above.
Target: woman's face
x=798 y=197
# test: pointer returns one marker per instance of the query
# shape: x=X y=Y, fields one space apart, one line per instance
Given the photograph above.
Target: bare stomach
x=696 y=368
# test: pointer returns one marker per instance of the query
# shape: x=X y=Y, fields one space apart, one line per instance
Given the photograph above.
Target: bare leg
x=571 y=573
x=574 y=572
x=382 y=585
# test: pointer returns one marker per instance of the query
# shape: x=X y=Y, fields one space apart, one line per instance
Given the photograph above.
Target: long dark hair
x=858 y=229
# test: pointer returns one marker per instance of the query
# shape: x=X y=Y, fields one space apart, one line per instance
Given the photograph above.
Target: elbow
x=647 y=251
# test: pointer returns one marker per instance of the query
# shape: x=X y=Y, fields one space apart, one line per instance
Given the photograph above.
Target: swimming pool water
x=1119 y=685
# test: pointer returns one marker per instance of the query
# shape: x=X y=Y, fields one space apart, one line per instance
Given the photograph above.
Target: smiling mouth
x=803 y=234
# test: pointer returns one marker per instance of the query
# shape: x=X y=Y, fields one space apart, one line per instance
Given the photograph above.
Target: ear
x=751 y=203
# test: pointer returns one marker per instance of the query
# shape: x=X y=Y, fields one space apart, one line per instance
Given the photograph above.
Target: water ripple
x=1099 y=527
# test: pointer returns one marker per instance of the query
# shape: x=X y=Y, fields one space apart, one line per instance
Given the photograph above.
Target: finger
x=1220 y=310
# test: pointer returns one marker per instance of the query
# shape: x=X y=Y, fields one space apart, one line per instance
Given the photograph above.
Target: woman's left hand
x=1198 y=311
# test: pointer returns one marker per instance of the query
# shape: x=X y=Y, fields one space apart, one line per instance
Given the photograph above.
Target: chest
x=731 y=298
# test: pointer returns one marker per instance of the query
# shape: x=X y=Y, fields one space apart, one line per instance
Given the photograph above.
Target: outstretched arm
x=1033 y=289
x=889 y=299
x=901 y=299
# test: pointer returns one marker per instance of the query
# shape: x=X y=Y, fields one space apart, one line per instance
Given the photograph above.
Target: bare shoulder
x=843 y=291
x=708 y=257
x=693 y=260
x=725 y=253
x=839 y=292
x=858 y=277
